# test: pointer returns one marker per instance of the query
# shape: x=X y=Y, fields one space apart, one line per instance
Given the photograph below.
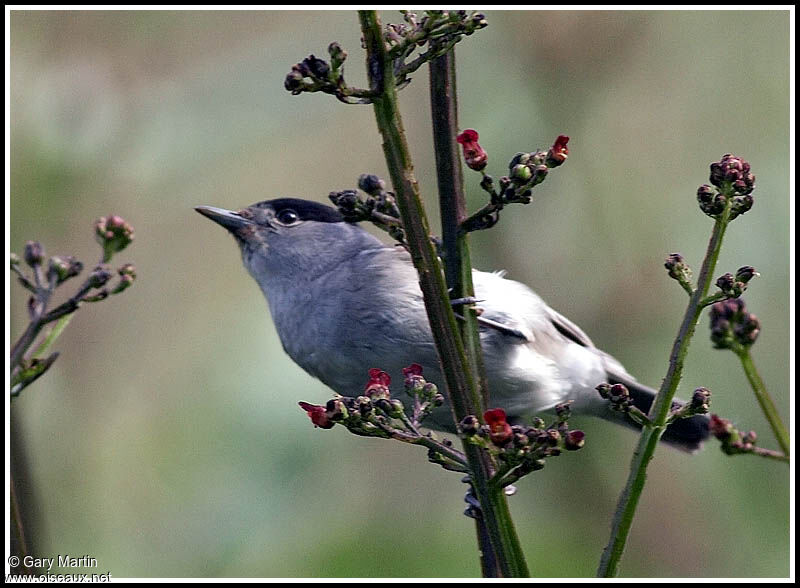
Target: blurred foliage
x=167 y=441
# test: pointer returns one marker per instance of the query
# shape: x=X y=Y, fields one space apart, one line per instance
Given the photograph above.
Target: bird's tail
x=684 y=434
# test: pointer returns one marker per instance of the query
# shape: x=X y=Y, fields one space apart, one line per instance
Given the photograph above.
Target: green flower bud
x=396 y=409
x=519 y=159
x=520 y=174
x=63 y=268
x=127 y=274
x=336 y=410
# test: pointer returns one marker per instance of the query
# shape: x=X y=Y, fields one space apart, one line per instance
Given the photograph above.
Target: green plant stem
x=423 y=255
x=458 y=274
x=25 y=341
x=764 y=399
x=659 y=412
x=462 y=391
x=54 y=334
x=433 y=445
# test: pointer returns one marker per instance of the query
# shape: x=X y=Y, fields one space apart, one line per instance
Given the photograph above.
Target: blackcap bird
x=343 y=302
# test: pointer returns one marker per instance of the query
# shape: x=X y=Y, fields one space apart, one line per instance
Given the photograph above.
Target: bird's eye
x=287 y=216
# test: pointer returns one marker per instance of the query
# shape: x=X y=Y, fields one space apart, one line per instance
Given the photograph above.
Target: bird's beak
x=227 y=218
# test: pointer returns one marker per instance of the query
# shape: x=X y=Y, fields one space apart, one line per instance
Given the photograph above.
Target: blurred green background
x=167 y=441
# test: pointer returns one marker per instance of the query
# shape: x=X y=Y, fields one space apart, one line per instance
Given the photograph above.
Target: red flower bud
x=378 y=385
x=474 y=155
x=413 y=376
x=317 y=414
x=413 y=370
x=720 y=428
x=574 y=440
x=558 y=152
x=499 y=429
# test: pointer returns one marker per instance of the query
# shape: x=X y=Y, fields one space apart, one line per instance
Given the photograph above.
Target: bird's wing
x=568 y=329
x=615 y=370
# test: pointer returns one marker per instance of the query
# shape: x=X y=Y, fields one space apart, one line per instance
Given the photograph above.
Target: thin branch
x=659 y=412
x=764 y=399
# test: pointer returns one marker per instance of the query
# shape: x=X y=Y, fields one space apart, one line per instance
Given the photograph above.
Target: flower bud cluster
x=127 y=274
x=734 y=182
x=438 y=24
x=679 y=270
x=521 y=449
x=114 y=234
x=62 y=268
x=733 y=440
x=701 y=399
x=378 y=206
x=732 y=286
x=732 y=325
x=525 y=172
x=699 y=404
x=617 y=394
x=375 y=412
x=313 y=74
x=732 y=174
x=437 y=30
x=425 y=395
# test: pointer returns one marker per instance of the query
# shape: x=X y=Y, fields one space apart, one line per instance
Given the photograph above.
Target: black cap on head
x=305 y=209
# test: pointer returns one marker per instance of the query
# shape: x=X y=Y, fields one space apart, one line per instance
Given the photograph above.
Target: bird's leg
x=489 y=563
x=466 y=300
x=473 y=509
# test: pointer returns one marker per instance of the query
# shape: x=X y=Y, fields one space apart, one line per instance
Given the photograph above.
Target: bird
x=344 y=302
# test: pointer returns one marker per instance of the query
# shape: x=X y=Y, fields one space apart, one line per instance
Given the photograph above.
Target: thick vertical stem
x=453 y=206
x=462 y=391
x=415 y=222
x=458 y=272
